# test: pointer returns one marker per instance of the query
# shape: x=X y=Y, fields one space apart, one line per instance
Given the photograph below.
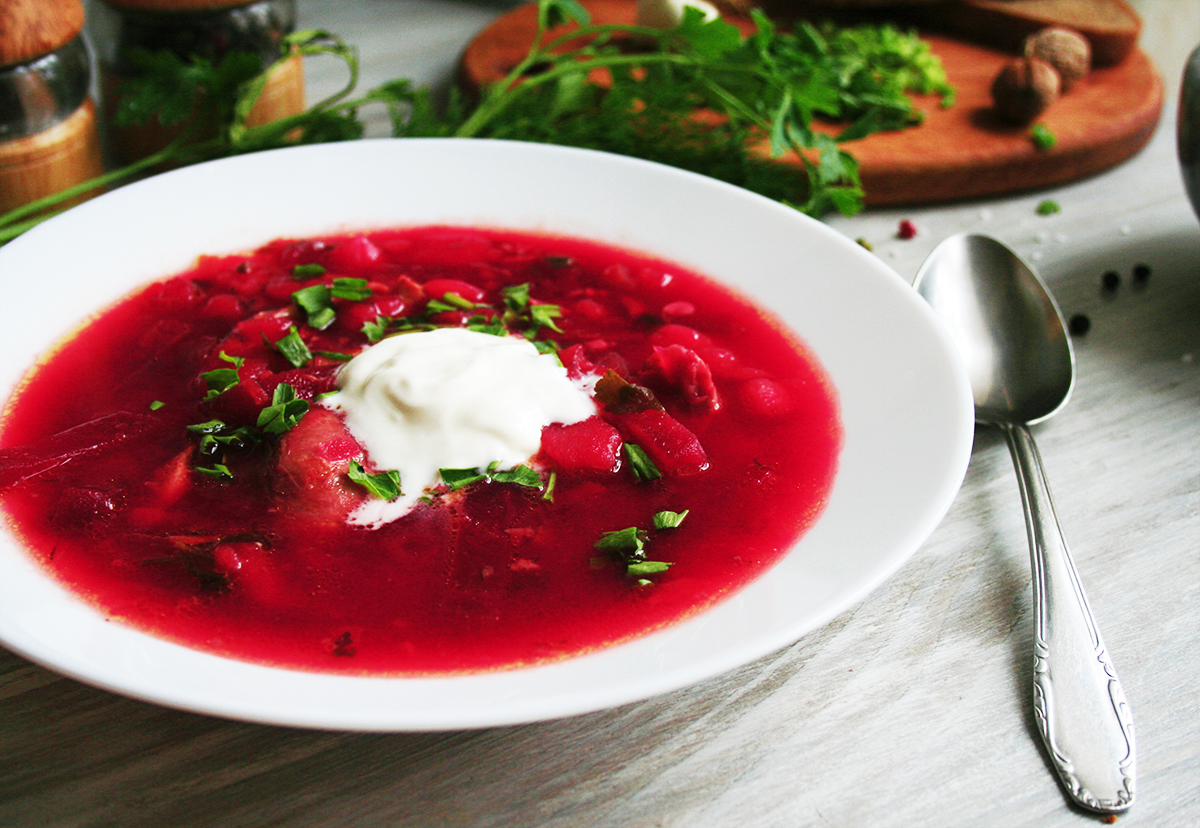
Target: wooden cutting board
x=963 y=152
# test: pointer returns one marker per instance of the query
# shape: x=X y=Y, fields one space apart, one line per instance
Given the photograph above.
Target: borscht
x=418 y=451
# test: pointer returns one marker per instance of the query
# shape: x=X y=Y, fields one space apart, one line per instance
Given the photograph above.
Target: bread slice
x=1111 y=26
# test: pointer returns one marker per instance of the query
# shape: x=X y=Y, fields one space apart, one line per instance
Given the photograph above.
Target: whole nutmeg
x=1024 y=88
x=1065 y=49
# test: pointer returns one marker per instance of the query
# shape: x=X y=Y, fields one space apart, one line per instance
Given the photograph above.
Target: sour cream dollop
x=451 y=399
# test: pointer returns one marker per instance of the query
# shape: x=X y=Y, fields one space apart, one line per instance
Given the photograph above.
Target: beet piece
x=311 y=470
x=682 y=370
x=591 y=445
x=19 y=463
x=668 y=442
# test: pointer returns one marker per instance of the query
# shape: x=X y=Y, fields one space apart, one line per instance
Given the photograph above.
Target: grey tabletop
x=913 y=708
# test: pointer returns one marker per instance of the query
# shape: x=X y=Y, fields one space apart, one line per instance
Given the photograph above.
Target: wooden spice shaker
x=208 y=29
x=49 y=137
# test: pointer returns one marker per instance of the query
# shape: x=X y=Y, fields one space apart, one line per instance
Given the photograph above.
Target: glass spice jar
x=207 y=29
x=49 y=137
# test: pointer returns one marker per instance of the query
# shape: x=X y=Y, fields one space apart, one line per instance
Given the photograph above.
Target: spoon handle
x=1078 y=702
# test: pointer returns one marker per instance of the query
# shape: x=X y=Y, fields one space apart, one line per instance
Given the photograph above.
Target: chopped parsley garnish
x=355 y=290
x=643 y=467
x=628 y=546
x=284 y=412
x=216 y=440
x=629 y=543
x=457 y=479
x=217 y=470
x=521 y=312
x=156 y=404
x=1042 y=137
x=449 y=302
x=384 y=485
x=293 y=348
x=316 y=302
x=308 y=271
x=217 y=436
x=220 y=380
x=1048 y=207
x=669 y=520
x=647 y=568
x=521 y=475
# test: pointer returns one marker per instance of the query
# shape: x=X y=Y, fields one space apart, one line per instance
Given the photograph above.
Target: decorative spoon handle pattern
x=1078 y=702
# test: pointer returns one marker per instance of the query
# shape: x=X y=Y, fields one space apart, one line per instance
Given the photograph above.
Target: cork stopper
x=30 y=29
x=176 y=5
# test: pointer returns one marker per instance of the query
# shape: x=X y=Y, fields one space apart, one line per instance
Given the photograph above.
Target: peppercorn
x=1111 y=280
x=1024 y=88
x=1079 y=324
x=1141 y=273
x=1064 y=49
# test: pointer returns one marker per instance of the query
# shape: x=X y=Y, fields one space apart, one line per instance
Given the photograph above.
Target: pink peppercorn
x=907 y=229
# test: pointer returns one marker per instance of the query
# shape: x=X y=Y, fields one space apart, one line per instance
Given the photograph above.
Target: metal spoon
x=1012 y=338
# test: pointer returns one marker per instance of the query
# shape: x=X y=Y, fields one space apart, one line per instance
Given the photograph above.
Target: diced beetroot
x=766 y=397
x=254 y=337
x=247 y=567
x=223 y=307
x=19 y=463
x=354 y=254
x=173 y=479
x=668 y=442
x=724 y=365
x=576 y=362
x=313 y=461
x=676 y=334
x=591 y=445
x=678 y=310
x=79 y=508
x=438 y=288
x=307 y=382
x=177 y=295
x=683 y=371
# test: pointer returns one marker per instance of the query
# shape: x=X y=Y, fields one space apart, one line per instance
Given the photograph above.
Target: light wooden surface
x=912 y=709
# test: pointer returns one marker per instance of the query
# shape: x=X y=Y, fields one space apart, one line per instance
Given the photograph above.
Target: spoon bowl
x=1011 y=336
x=1008 y=329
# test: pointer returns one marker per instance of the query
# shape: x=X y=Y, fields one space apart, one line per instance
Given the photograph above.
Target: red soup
x=177 y=464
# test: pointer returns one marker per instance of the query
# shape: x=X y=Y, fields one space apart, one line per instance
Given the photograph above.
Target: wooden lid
x=176 y=5
x=30 y=29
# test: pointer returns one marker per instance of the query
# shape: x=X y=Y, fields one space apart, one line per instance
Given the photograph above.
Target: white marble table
x=912 y=709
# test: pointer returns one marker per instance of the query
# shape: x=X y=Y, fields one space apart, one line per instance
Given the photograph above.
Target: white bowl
x=904 y=396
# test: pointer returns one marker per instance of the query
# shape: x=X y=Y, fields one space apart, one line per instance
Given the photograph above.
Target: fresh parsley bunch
x=700 y=96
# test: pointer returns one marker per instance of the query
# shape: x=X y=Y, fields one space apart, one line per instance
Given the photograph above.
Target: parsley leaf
x=220 y=380
x=521 y=475
x=669 y=520
x=384 y=485
x=316 y=302
x=284 y=412
x=643 y=467
x=344 y=287
x=293 y=348
x=308 y=271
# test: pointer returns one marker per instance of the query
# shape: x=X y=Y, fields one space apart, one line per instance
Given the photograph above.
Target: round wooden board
x=960 y=152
